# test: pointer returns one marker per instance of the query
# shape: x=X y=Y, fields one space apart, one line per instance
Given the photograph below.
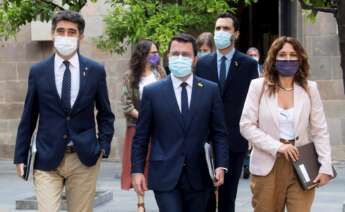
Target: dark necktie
x=222 y=75
x=184 y=101
x=66 y=87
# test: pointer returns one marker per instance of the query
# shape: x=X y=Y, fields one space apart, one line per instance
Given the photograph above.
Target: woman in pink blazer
x=284 y=110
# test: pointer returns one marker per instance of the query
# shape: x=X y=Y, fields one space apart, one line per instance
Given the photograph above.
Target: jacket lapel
x=195 y=100
x=299 y=103
x=273 y=107
x=51 y=79
x=171 y=101
x=83 y=74
x=233 y=70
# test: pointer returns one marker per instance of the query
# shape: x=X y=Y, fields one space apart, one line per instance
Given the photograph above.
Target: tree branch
x=306 y=6
x=53 y=4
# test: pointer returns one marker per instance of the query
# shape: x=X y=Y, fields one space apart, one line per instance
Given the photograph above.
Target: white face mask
x=65 y=45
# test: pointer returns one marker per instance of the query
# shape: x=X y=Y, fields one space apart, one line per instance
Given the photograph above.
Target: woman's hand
x=322 y=179
x=289 y=151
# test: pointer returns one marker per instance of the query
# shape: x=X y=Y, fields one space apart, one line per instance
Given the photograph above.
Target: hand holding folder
x=307 y=166
x=31 y=158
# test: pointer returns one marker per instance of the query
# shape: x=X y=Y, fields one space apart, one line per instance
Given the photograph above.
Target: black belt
x=70 y=149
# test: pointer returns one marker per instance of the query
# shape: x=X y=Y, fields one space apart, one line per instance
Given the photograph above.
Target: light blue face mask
x=180 y=66
x=201 y=54
x=222 y=39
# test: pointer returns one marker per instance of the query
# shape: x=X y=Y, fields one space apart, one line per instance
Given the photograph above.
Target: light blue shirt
x=228 y=56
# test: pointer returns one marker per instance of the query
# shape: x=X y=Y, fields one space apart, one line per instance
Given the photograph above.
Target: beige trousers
x=280 y=189
x=79 y=182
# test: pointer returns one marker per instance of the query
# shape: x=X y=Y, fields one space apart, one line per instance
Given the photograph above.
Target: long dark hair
x=138 y=61
x=271 y=74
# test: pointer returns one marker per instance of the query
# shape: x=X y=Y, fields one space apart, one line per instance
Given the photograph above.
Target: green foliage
x=132 y=20
x=128 y=21
x=16 y=13
x=316 y=4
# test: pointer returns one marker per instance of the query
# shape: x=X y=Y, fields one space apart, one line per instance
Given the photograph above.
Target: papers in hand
x=210 y=161
x=31 y=157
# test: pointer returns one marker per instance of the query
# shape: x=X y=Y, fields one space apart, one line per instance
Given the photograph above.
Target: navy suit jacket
x=241 y=72
x=56 y=128
x=174 y=143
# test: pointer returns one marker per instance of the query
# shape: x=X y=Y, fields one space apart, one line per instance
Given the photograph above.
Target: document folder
x=210 y=160
x=307 y=166
x=31 y=158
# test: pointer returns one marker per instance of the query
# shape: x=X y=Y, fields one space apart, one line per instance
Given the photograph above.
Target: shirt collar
x=228 y=56
x=177 y=82
x=74 y=60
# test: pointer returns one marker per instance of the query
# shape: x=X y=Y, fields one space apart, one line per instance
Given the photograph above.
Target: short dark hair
x=184 y=38
x=232 y=17
x=71 y=16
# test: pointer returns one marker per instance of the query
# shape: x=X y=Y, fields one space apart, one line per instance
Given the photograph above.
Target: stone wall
x=322 y=44
x=16 y=57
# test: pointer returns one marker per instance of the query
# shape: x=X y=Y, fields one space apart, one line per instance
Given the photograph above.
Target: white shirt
x=228 y=60
x=286 y=123
x=59 y=70
x=146 y=80
x=177 y=89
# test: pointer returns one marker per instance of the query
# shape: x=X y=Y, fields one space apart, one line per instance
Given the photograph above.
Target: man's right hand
x=20 y=169
x=139 y=183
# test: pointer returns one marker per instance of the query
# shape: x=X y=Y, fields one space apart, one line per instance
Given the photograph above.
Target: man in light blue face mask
x=64 y=91
x=233 y=72
x=178 y=113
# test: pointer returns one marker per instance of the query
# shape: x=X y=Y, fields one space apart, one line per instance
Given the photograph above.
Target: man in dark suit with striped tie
x=178 y=114
x=63 y=93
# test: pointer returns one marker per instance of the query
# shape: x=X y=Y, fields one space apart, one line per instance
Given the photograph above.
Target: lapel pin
x=236 y=63
x=200 y=84
x=84 y=72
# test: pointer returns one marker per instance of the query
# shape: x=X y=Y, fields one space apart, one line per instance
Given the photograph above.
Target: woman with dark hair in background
x=283 y=110
x=144 y=69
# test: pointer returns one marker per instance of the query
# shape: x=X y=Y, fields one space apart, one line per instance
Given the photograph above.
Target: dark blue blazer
x=174 y=143
x=242 y=70
x=56 y=127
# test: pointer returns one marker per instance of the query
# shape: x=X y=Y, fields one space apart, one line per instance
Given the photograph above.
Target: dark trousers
x=212 y=201
x=228 y=191
x=183 y=198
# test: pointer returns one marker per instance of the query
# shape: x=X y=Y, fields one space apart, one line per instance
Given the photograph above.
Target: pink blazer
x=260 y=126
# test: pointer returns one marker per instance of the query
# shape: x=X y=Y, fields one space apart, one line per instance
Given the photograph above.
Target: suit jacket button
x=68 y=118
x=65 y=136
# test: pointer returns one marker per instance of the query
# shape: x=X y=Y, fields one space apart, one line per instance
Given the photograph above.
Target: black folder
x=307 y=166
x=31 y=158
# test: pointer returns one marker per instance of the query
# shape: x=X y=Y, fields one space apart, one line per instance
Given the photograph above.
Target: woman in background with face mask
x=205 y=44
x=145 y=68
x=284 y=110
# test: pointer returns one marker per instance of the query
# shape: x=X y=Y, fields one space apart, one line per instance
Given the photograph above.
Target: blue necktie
x=222 y=75
x=184 y=102
x=66 y=87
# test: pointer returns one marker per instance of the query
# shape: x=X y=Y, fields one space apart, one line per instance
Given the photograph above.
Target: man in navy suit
x=177 y=114
x=232 y=71
x=63 y=92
